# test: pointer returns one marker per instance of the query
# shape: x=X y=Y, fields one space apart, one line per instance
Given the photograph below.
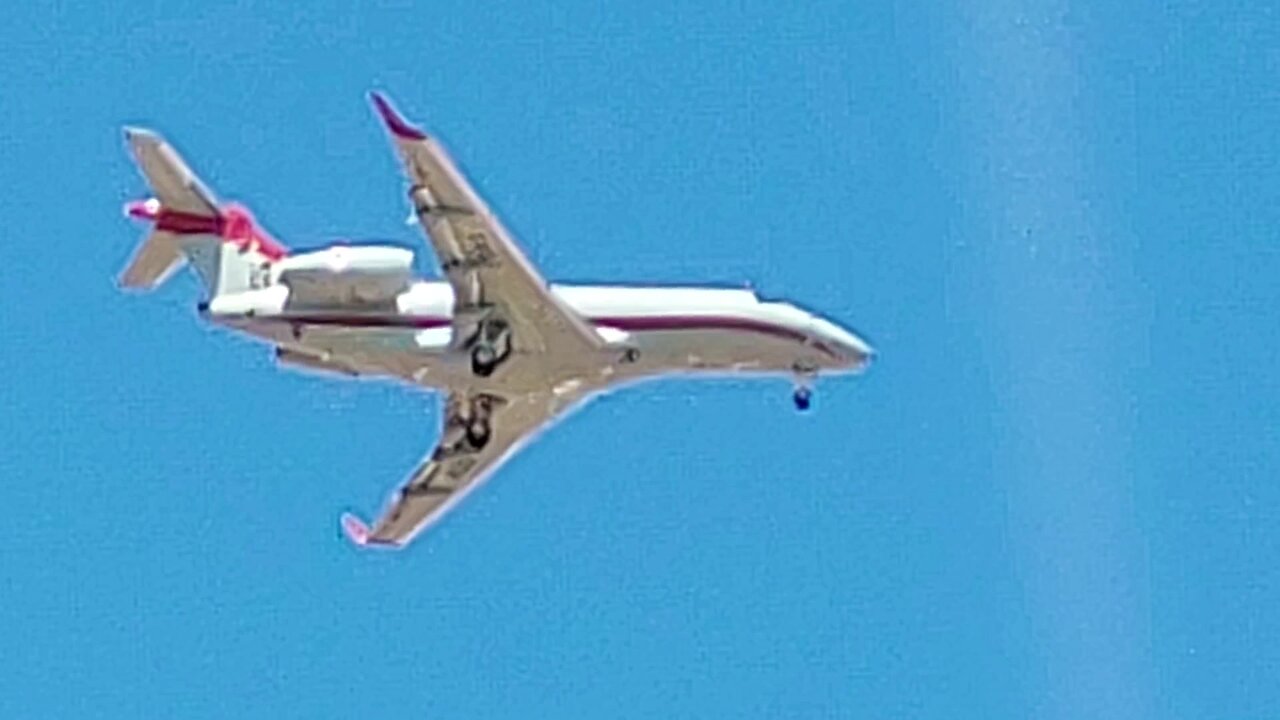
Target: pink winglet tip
x=395 y=122
x=355 y=529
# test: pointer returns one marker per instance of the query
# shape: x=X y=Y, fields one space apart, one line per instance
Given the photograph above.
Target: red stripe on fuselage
x=634 y=323
x=697 y=322
x=241 y=229
x=415 y=322
x=660 y=323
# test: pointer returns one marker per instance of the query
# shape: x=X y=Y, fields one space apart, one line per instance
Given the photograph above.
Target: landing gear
x=478 y=433
x=479 y=429
x=630 y=355
x=803 y=395
x=803 y=398
x=490 y=346
x=468 y=426
x=484 y=360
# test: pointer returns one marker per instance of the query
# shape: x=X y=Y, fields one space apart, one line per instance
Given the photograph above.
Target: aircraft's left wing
x=482 y=262
x=480 y=432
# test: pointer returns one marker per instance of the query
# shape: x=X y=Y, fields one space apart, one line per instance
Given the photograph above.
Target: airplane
x=509 y=353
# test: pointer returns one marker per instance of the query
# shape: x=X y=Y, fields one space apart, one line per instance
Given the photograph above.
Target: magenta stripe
x=635 y=323
x=697 y=322
x=643 y=323
x=419 y=322
x=184 y=223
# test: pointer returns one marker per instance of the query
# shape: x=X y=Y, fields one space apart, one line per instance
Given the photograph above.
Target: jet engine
x=346 y=275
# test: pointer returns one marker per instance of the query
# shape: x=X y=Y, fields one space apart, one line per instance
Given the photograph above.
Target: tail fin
x=223 y=242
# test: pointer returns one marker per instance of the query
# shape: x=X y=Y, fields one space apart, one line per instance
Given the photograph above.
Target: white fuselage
x=649 y=331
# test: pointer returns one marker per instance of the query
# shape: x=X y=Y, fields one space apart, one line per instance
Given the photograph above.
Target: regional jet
x=508 y=352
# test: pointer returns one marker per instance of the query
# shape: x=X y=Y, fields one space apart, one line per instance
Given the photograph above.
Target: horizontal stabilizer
x=174 y=184
x=153 y=262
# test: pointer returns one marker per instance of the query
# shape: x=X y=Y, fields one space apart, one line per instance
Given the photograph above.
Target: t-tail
x=222 y=242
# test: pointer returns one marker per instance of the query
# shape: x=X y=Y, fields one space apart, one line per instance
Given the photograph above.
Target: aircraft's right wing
x=480 y=432
x=482 y=262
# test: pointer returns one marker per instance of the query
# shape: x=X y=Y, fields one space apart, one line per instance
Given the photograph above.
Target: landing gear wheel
x=631 y=355
x=490 y=346
x=803 y=398
x=484 y=358
x=478 y=434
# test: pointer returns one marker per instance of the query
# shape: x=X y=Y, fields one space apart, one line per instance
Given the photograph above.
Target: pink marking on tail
x=233 y=223
x=240 y=229
x=355 y=529
x=395 y=122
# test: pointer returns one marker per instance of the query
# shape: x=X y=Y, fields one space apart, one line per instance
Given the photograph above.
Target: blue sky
x=1054 y=496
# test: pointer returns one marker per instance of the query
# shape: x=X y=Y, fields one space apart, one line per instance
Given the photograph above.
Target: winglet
x=394 y=121
x=132 y=133
x=355 y=529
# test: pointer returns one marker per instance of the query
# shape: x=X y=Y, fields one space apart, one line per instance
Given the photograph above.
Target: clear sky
x=1055 y=495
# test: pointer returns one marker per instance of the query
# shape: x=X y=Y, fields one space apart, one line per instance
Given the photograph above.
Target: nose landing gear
x=803 y=395
x=803 y=398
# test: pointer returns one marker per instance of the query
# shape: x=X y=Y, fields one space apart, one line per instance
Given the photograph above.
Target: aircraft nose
x=855 y=353
x=860 y=354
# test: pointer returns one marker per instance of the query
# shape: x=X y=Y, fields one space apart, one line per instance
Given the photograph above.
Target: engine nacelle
x=346 y=275
x=350 y=259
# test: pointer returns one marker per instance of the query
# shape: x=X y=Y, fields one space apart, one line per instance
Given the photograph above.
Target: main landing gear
x=468 y=425
x=491 y=345
x=478 y=433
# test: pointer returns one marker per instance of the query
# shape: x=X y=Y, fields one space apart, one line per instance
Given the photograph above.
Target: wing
x=480 y=432
x=485 y=267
